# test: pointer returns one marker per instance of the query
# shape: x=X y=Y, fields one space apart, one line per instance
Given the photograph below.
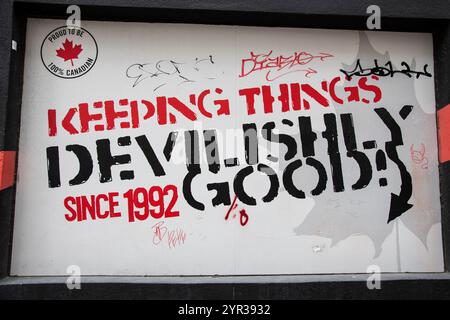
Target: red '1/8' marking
x=243 y=216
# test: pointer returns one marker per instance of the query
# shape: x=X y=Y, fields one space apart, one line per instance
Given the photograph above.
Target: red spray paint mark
x=243 y=216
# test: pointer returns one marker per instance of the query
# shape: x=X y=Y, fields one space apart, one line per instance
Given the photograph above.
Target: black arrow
x=399 y=203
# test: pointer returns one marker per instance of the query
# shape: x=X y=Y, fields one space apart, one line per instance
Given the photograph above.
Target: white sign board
x=171 y=149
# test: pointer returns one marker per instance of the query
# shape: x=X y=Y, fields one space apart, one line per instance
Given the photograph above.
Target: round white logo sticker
x=69 y=52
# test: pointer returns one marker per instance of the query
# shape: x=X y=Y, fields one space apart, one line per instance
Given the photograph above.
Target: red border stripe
x=443 y=117
x=7 y=168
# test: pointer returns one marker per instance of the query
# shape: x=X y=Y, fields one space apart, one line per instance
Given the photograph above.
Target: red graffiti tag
x=174 y=237
x=280 y=65
x=418 y=156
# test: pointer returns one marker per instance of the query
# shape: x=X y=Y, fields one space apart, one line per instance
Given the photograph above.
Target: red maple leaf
x=69 y=51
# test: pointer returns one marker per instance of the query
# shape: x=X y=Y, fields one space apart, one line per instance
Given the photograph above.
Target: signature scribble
x=384 y=71
x=168 y=71
x=280 y=65
x=174 y=237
